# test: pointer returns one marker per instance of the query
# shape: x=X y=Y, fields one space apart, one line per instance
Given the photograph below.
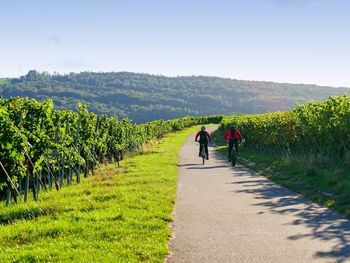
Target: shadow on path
x=189 y=164
x=207 y=167
x=324 y=224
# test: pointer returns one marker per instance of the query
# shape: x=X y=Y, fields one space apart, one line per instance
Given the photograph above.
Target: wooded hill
x=144 y=97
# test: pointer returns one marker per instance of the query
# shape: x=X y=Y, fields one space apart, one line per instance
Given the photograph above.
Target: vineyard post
x=78 y=167
x=26 y=185
x=20 y=188
x=39 y=179
x=49 y=177
x=11 y=185
x=86 y=169
x=70 y=172
x=94 y=162
x=60 y=174
x=57 y=155
x=30 y=172
x=79 y=150
x=35 y=179
x=8 y=196
x=36 y=184
x=45 y=180
x=52 y=176
x=35 y=192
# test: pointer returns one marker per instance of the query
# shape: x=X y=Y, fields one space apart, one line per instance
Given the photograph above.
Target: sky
x=291 y=41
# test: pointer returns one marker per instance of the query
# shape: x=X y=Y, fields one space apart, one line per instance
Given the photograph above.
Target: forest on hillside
x=144 y=97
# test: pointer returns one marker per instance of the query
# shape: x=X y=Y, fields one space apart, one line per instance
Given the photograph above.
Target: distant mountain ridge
x=145 y=97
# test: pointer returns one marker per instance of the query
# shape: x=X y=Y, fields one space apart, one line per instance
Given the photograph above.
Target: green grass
x=122 y=216
x=327 y=184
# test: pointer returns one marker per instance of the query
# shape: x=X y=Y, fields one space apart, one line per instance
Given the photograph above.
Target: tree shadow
x=324 y=224
x=203 y=167
x=189 y=164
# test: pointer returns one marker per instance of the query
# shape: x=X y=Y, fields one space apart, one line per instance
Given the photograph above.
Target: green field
x=118 y=215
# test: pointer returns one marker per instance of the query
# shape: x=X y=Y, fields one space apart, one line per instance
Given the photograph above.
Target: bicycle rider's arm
x=197 y=134
x=240 y=138
x=208 y=135
x=227 y=135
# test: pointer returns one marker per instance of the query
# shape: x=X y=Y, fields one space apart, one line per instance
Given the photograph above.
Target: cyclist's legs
x=200 y=148
x=230 y=145
x=206 y=148
x=236 y=146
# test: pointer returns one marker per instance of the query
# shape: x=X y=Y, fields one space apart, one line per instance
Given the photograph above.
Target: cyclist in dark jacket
x=204 y=138
x=234 y=137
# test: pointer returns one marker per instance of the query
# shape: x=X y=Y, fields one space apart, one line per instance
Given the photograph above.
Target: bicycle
x=203 y=154
x=233 y=156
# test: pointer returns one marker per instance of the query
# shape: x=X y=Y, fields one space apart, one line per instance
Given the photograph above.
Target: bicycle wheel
x=233 y=156
x=204 y=156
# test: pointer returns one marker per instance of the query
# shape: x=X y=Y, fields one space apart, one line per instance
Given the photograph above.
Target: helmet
x=202 y=128
x=232 y=127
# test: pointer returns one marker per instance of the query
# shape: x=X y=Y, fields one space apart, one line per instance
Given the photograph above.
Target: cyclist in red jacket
x=234 y=137
x=204 y=138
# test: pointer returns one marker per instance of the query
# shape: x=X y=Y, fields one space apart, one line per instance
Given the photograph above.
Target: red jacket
x=236 y=136
x=208 y=135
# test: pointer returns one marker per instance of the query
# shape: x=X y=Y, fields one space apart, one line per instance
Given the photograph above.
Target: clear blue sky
x=296 y=41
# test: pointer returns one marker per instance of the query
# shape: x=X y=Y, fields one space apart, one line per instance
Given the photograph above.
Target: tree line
x=144 y=97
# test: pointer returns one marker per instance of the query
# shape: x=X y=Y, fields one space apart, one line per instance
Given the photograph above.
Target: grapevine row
x=42 y=148
x=318 y=128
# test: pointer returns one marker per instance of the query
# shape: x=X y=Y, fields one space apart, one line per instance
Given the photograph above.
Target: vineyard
x=42 y=148
x=320 y=129
x=123 y=213
x=307 y=148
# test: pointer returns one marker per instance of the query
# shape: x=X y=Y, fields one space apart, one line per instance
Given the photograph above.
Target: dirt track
x=225 y=214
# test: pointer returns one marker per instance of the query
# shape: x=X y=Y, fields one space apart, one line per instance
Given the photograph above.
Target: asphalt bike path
x=232 y=214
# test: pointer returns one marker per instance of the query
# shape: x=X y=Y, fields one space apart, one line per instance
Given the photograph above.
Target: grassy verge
x=118 y=215
x=328 y=184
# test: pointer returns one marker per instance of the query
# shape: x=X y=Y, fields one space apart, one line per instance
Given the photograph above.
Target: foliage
x=41 y=147
x=320 y=128
x=144 y=97
x=306 y=149
x=122 y=216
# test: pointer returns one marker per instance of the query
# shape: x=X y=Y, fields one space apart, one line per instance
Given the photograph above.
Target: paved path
x=225 y=214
